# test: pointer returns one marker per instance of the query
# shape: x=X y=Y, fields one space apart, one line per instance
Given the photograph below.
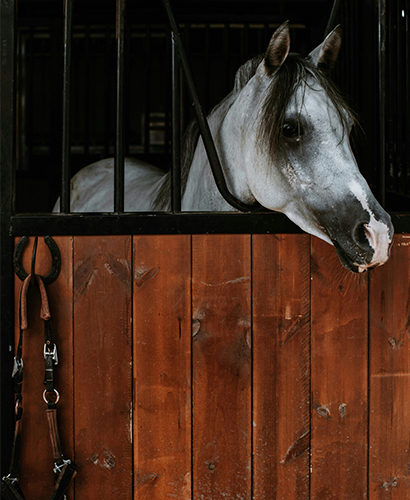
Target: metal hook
x=55 y=259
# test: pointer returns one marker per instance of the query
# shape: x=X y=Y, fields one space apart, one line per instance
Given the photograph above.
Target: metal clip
x=17 y=366
x=11 y=479
x=52 y=353
x=58 y=468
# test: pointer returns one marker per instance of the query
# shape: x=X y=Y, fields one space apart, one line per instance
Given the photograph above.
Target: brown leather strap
x=23 y=303
x=54 y=435
x=45 y=307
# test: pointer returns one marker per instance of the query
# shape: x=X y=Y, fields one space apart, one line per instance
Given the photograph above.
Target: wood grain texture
x=37 y=477
x=389 y=433
x=162 y=367
x=281 y=366
x=102 y=367
x=339 y=377
x=221 y=306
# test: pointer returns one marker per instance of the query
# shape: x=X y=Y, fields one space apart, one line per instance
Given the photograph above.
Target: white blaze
x=376 y=232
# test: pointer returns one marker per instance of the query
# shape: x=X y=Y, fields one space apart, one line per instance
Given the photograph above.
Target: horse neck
x=201 y=192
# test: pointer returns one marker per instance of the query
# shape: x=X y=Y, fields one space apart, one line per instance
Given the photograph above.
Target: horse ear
x=324 y=56
x=278 y=49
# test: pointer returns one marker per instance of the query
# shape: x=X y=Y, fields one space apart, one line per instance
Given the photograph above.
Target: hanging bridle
x=64 y=469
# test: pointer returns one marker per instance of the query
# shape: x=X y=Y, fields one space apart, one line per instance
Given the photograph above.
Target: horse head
x=298 y=158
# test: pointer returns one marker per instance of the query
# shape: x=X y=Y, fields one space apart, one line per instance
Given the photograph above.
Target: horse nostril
x=365 y=236
x=361 y=235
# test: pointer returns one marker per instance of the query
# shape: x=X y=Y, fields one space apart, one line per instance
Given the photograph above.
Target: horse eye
x=292 y=130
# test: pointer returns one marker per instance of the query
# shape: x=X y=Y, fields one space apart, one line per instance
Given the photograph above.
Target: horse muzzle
x=368 y=247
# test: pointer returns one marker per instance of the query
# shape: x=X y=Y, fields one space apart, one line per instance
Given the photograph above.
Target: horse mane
x=294 y=72
x=190 y=139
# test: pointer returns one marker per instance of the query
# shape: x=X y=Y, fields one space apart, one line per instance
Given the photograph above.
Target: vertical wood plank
x=221 y=294
x=281 y=366
x=162 y=367
x=389 y=457
x=37 y=477
x=102 y=368
x=339 y=377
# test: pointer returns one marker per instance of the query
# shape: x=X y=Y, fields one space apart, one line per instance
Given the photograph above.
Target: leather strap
x=10 y=490
x=65 y=470
x=54 y=435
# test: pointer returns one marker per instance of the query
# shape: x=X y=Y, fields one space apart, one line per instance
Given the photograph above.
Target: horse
x=282 y=135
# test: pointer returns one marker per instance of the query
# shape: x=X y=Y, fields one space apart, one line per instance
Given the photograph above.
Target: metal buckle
x=52 y=353
x=17 y=366
x=58 y=468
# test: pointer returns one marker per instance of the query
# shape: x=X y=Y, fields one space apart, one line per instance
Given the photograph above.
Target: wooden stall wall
x=222 y=367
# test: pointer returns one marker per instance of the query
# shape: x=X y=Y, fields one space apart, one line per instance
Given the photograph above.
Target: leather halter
x=64 y=469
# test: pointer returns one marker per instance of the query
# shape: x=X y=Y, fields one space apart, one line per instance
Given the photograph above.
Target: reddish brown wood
x=102 y=366
x=162 y=367
x=339 y=377
x=281 y=366
x=389 y=438
x=221 y=307
x=230 y=419
x=37 y=477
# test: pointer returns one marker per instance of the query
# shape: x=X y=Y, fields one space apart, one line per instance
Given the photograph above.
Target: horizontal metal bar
x=152 y=223
x=165 y=223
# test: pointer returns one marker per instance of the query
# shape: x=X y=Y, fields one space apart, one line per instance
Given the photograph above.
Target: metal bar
x=381 y=11
x=119 y=146
x=65 y=175
x=203 y=124
x=147 y=89
x=176 y=132
x=7 y=183
x=406 y=124
x=165 y=223
x=399 y=93
x=153 y=223
x=87 y=92
x=332 y=19
x=107 y=92
x=207 y=66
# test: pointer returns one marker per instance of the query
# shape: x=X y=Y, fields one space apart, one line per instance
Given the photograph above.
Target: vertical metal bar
x=147 y=90
x=399 y=127
x=226 y=58
x=381 y=11
x=176 y=131
x=107 y=92
x=119 y=146
x=30 y=101
x=332 y=18
x=87 y=91
x=65 y=174
x=7 y=183
x=207 y=67
x=406 y=124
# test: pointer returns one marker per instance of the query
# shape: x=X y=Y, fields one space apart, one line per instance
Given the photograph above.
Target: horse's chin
x=348 y=262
